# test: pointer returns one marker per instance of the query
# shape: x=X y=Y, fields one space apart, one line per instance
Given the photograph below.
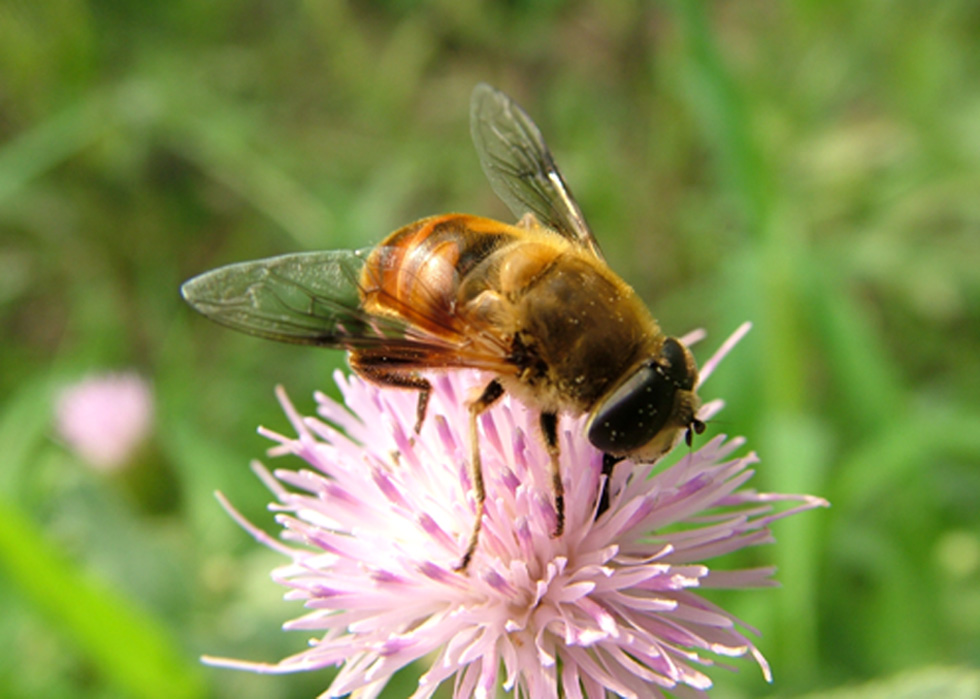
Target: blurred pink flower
x=104 y=418
x=374 y=529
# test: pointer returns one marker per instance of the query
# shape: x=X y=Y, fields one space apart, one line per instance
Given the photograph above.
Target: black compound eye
x=674 y=363
x=636 y=411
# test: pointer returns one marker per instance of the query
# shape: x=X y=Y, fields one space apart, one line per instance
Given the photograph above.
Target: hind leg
x=378 y=371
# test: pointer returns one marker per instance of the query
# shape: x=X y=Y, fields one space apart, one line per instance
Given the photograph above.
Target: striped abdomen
x=415 y=273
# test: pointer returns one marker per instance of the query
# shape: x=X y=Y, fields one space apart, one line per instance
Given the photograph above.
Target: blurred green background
x=813 y=167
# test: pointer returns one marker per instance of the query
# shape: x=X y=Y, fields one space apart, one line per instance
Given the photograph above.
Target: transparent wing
x=520 y=167
x=309 y=298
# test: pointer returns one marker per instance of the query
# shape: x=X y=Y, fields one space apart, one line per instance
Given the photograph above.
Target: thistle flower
x=104 y=418
x=374 y=528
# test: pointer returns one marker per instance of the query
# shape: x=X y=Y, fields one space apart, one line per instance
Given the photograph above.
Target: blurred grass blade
x=865 y=375
x=129 y=647
x=919 y=683
x=51 y=142
x=24 y=424
x=908 y=445
x=802 y=441
x=724 y=118
x=219 y=147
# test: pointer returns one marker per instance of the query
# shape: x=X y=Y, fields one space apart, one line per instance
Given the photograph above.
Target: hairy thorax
x=573 y=326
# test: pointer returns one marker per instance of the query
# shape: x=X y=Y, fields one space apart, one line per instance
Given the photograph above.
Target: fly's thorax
x=578 y=328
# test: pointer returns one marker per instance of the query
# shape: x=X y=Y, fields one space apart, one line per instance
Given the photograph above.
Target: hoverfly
x=534 y=304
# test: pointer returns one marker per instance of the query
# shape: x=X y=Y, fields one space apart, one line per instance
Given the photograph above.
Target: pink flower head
x=375 y=526
x=104 y=418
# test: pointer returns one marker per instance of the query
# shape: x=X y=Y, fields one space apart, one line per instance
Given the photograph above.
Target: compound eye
x=674 y=363
x=633 y=414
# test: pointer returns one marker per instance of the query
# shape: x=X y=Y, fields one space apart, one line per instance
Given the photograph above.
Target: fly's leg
x=490 y=395
x=608 y=462
x=549 y=428
x=424 y=391
x=377 y=371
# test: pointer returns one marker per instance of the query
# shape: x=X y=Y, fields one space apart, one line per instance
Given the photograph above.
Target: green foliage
x=812 y=167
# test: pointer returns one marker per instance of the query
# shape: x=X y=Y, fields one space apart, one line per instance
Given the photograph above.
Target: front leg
x=375 y=369
x=608 y=463
x=549 y=428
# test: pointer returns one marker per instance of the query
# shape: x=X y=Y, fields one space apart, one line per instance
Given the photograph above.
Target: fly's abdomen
x=416 y=272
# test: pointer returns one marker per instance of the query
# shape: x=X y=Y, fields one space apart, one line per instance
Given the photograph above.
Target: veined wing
x=520 y=167
x=309 y=298
x=314 y=298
